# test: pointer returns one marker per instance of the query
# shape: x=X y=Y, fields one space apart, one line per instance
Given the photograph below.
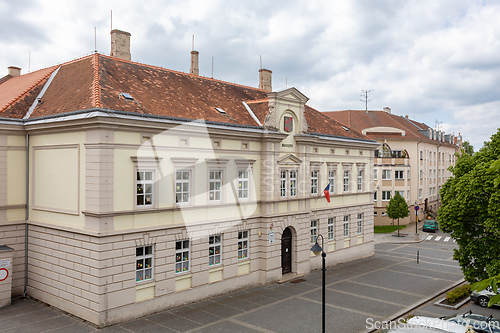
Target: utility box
x=5 y=275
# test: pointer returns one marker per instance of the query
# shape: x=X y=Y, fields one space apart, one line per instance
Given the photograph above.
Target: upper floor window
x=399 y=174
x=288 y=124
x=360 y=180
x=346 y=180
x=145 y=188
x=375 y=174
x=243 y=183
x=314 y=181
x=386 y=174
x=182 y=184
x=331 y=180
x=293 y=183
x=386 y=195
x=397 y=153
x=215 y=185
x=375 y=196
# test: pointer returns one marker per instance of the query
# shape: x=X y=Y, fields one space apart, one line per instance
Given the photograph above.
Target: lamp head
x=316 y=249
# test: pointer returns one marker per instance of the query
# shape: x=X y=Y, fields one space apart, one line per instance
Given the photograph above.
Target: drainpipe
x=26 y=216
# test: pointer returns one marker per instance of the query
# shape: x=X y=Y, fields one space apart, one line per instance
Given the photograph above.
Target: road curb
x=412 y=307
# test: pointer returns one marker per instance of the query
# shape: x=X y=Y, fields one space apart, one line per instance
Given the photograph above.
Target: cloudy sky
x=436 y=61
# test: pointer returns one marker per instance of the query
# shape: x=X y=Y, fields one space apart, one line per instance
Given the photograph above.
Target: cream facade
x=129 y=214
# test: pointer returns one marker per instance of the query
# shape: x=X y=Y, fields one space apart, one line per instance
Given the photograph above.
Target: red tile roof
x=364 y=120
x=99 y=81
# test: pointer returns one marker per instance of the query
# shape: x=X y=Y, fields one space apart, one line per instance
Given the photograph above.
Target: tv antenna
x=365 y=98
x=438 y=124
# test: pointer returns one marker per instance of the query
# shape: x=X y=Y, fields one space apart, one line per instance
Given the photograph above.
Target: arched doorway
x=286 y=251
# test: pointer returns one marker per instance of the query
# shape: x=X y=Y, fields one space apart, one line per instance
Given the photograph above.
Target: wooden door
x=286 y=251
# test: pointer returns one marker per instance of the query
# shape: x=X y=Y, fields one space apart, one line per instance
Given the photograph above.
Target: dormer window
x=288 y=124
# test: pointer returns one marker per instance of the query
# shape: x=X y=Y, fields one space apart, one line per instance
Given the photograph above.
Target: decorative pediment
x=292 y=94
x=289 y=159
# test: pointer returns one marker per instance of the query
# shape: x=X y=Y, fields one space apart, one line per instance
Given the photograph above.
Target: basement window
x=126 y=96
x=220 y=111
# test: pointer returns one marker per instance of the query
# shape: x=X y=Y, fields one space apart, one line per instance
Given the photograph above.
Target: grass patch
x=384 y=229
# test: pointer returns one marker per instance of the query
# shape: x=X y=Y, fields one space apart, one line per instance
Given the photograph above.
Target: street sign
x=417 y=208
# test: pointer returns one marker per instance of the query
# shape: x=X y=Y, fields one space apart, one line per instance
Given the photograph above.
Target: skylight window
x=345 y=128
x=220 y=110
x=128 y=97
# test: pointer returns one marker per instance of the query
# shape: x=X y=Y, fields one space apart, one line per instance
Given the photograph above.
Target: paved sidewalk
x=377 y=287
x=407 y=235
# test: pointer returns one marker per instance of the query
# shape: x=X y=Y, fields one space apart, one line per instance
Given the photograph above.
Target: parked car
x=482 y=297
x=479 y=323
x=430 y=225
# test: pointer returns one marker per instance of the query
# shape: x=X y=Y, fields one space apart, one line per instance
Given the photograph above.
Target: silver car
x=482 y=297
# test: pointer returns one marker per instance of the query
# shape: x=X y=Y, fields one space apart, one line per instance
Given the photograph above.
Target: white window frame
x=331 y=228
x=293 y=183
x=180 y=186
x=145 y=188
x=244 y=183
x=346 y=180
x=331 y=180
x=314 y=181
x=360 y=180
x=214 y=192
x=386 y=174
x=144 y=263
x=385 y=194
x=345 y=226
x=214 y=250
x=375 y=174
x=243 y=248
x=182 y=256
x=314 y=231
x=360 y=223
x=283 y=183
x=399 y=174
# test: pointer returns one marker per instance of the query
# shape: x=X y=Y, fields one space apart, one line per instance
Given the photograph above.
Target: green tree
x=470 y=211
x=492 y=282
x=397 y=208
x=467 y=148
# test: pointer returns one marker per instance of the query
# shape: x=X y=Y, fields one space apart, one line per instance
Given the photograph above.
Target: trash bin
x=5 y=275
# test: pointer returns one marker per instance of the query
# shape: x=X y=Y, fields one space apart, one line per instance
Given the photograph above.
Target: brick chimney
x=120 y=44
x=14 y=71
x=265 y=79
x=387 y=109
x=194 y=63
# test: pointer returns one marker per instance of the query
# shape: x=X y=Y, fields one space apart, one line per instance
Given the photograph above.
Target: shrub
x=458 y=294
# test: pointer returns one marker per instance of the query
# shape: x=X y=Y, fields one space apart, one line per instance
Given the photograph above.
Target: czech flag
x=327 y=192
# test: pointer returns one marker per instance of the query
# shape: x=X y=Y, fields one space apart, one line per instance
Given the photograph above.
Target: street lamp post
x=316 y=249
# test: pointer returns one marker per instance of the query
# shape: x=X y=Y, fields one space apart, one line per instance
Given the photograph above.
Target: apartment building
x=412 y=159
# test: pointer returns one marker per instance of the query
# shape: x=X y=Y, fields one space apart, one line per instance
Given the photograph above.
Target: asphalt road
x=358 y=294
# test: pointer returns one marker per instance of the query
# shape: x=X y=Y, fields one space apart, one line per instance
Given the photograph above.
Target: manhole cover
x=297 y=281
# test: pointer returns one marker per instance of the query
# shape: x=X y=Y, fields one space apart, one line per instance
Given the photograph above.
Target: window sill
x=145 y=284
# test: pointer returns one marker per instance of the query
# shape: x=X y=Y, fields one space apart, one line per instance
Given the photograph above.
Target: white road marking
x=447 y=239
x=429 y=237
x=437 y=238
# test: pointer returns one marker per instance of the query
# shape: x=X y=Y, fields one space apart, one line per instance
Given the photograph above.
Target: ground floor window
x=346 y=225
x=331 y=228
x=314 y=230
x=360 y=223
x=214 y=250
x=182 y=256
x=242 y=244
x=144 y=263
